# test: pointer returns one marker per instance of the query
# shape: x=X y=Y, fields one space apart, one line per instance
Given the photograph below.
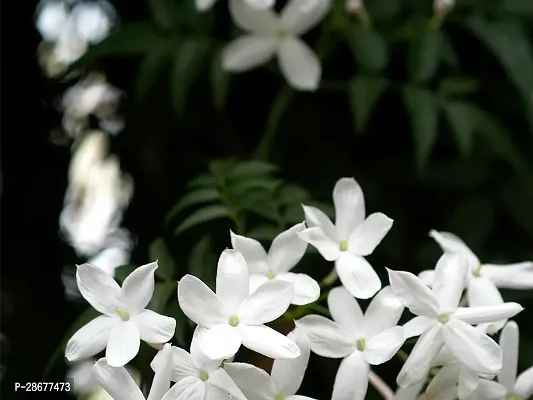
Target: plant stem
x=380 y=385
x=329 y=279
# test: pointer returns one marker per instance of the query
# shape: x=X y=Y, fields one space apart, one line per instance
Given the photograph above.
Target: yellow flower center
x=511 y=396
x=444 y=318
x=122 y=314
x=204 y=376
x=270 y=275
x=280 y=396
x=234 y=321
x=477 y=272
x=361 y=344
x=343 y=245
x=281 y=34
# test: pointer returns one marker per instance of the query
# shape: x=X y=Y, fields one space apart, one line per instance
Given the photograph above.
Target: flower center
x=122 y=314
x=343 y=245
x=361 y=344
x=234 y=321
x=270 y=275
x=444 y=318
x=280 y=396
x=511 y=396
x=477 y=272
x=281 y=34
x=204 y=376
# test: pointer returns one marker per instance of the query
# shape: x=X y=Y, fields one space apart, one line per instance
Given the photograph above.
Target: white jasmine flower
x=284 y=380
x=286 y=251
x=350 y=239
x=272 y=35
x=51 y=19
x=121 y=386
x=484 y=279
x=125 y=321
x=203 y=5
x=233 y=316
x=441 y=322
x=202 y=378
x=360 y=340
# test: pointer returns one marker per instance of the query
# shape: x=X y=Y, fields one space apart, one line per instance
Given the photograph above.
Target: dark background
x=484 y=197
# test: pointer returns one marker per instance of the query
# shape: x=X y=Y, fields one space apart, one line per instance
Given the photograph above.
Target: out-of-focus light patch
x=441 y=6
x=81 y=376
x=354 y=6
x=93 y=20
x=52 y=19
x=92 y=96
x=116 y=253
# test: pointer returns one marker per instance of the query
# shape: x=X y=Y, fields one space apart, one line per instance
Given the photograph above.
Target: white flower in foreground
x=125 y=321
x=121 y=386
x=484 y=279
x=362 y=341
x=351 y=238
x=233 y=316
x=203 y=5
x=198 y=376
x=441 y=322
x=286 y=251
x=284 y=380
x=272 y=35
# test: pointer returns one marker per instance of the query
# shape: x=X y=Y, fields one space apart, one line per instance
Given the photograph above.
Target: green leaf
x=459 y=116
x=158 y=251
x=449 y=56
x=291 y=194
x=457 y=86
x=264 y=232
x=425 y=55
x=365 y=91
x=203 y=181
x=220 y=82
x=368 y=47
x=183 y=324
x=162 y=292
x=162 y=12
x=424 y=115
x=123 y=271
x=202 y=261
x=240 y=188
x=195 y=197
x=188 y=63
x=220 y=168
x=203 y=215
x=250 y=169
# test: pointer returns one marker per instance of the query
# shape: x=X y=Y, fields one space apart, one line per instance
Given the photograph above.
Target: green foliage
x=425 y=55
x=158 y=251
x=365 y=92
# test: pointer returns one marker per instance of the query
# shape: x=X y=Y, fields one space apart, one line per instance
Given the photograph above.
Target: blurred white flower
x=441 y=322
x=125 y=322
x=203 y=5
x=233 y=317
x=272 y=35
x=286 y=251
x=92 y=96
x=483 y=280
x=81 y=376
x=116 y=252
x=443 y=6
x=350 y=239
x=361 y=340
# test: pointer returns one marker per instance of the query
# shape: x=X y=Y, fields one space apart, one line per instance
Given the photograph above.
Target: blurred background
x=429 y=106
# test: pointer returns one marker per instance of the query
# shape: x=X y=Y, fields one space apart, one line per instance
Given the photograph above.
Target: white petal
x=489 y=390
x=298 y=18
x=199 y=303
x=288 y=374
x=220 y=342
x=260 y=4
x=93 y=20
x=327 y=338
x=253 y=252
x=199 y=359
x=482 y=292
x=268 y=342
x=512 y=276
x=509 y=345
x=251 y=19
x=478 y=315
x=298 y=397
x=256 y=280
x=267 y=303
x=357 y=275
x=220 y=379
x=232 y=280
x=191 y=388
x=427 y=277
x=524 y=384
x=306 y=289
x=204 y=5
x=368 y=234
x=99 y=289
x=299 y=64
x=451 y=273
x=116 y=381
x=383 y=312
x=287 y=249
x=90 y=339
x=123 y=344
x=349 y=206
x=215 y=393
x=468 y=382
x=383 y=346
x=247 y=52
x=315 y=217
x=52 y=20
x=417 y=365
x=417 y=326
x=163 y=373
x=81 y=377
x=345 y=309
x=326 y=247
x=451 y=243
x=351 y=381
x=416 y=296
x=155 y=328
x=181 y=364
x=472 y=347
x=138 y=288
x=445 y=380
x=409 y=393
x=254 y=382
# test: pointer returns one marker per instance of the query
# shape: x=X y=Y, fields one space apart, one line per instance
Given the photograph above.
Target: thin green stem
x=329 y=279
